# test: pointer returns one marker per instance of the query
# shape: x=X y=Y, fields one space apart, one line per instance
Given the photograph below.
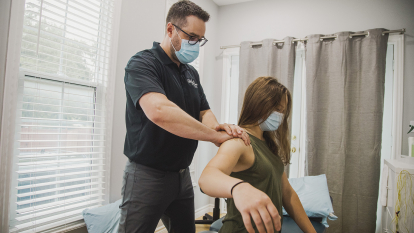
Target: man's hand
x=255 y=204
x=222 y=137
x=234 y=131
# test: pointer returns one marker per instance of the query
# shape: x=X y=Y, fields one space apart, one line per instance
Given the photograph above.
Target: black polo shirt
x=146 y=143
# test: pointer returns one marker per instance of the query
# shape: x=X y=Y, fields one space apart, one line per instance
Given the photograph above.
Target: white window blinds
x=60 y=131
x=67 y=37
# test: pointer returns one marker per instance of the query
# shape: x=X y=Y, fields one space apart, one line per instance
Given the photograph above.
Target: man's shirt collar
x=163 y=57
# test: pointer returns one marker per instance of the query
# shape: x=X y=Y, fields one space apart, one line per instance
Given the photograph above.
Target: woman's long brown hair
x=262 y=97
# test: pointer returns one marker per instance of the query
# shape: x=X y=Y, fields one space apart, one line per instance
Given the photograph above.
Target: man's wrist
x=214 y=136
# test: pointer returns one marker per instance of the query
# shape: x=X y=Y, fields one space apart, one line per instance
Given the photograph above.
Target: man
x=166 y=114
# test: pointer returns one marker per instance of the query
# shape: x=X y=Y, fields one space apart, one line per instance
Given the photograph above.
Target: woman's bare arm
x=294 y=207
x=219 y=169
x=251 y=202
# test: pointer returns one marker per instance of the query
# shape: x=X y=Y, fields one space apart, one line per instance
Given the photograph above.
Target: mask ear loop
x=178 y=36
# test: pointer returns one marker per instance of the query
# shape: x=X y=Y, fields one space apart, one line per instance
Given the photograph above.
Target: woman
x=253 y=176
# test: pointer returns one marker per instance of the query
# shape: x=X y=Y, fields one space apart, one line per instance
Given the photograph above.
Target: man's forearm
x=174 y=120
x=208 y=119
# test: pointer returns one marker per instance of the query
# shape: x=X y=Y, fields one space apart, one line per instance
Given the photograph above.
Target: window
x=392 y=116
x=297 y=166
x=229 y=106
x=59 y=152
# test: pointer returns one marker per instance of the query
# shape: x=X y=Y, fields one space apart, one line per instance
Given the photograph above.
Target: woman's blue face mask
x=188 y=53
x=273 y=122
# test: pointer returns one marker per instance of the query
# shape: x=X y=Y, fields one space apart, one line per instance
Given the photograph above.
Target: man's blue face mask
x=273 y=122
x=188 y=53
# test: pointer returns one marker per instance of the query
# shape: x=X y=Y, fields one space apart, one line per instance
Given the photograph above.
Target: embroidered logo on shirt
x=192 y=82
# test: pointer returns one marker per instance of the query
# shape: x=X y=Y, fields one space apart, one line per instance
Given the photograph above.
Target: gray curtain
x=277 y=61
x=345 y=97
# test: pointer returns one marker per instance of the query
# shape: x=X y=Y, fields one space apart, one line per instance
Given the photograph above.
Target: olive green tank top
x=266 y=175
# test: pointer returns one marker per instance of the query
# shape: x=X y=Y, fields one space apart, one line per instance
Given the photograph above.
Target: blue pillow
x=314 y=195
x=104 y=219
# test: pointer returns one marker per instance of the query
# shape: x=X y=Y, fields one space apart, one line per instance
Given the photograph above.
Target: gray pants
x=149 y=195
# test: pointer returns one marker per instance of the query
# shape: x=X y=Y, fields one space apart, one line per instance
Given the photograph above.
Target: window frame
x=226 y=82
x=59 y=79
x=301 y=129
x=11 y=84
x=398 y=94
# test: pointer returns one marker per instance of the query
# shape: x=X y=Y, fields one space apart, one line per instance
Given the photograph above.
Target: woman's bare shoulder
x=234 y=144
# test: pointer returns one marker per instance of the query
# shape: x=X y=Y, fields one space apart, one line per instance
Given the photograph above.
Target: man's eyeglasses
x=193 y=39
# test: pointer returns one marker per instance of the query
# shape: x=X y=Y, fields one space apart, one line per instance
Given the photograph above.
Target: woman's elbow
x=202 y=181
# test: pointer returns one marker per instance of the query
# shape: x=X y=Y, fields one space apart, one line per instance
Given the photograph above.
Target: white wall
x=260 y=19
x=141 y=24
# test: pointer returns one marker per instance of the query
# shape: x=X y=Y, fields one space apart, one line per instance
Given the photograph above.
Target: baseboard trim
x=198 y=213
x=203 y=210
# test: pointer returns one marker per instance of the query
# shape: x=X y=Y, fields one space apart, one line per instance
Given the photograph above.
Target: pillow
x=314 y=195
x=104 y=219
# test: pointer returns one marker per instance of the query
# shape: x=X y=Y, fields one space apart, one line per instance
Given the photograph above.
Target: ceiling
x=228 y=2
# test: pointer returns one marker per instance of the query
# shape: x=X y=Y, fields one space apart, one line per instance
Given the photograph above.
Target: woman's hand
x=255 y=204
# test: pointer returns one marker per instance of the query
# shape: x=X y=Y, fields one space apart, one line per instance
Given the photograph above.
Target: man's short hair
x=183 y=8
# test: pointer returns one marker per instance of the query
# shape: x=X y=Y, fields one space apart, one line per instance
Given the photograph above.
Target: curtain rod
x=401 y=31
